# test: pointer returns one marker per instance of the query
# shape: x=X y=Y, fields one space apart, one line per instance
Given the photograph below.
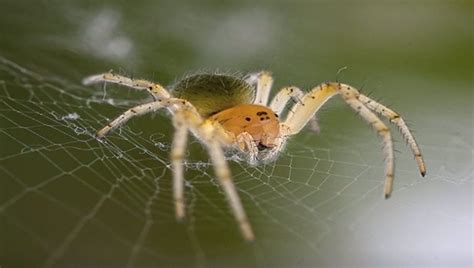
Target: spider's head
x=254 y=124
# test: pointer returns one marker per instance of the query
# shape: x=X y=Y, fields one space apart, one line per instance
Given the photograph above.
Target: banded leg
x=156 y=90
x=395 y=118
x=141 y=110
x=178 y=149
x=264 y=81
x=313 y=101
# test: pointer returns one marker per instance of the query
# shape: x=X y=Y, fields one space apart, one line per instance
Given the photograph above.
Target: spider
x=226 y=111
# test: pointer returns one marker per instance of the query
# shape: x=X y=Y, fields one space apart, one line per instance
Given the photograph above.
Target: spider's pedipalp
x=156 y=90
x=246 y=144
x=396 y=119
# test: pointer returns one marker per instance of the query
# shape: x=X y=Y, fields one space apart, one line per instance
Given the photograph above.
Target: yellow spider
x=225 y=111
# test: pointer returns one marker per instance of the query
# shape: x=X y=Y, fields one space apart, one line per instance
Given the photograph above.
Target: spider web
x=68 y=198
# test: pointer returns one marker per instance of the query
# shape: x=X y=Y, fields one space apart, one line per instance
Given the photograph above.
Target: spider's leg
x=306 y=107
x=156 y=90
x=313 y=101
x=178 y=148
x=141 y=110
x=208 y=133
x=264 y=81
x=281 y=99
x=225 y=180
x=396 y=119
x=384 y=133
x=283 y=96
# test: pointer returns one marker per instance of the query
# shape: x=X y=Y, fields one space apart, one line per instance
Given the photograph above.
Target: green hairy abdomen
x=212 y=93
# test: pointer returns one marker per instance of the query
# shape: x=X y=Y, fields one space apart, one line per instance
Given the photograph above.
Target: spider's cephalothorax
x=225 y=111
x=228 y=100
x=261 y=126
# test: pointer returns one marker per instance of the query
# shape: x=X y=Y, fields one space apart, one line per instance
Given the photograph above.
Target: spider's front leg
x=313 y=100
x=284 y=96
x=156 y=90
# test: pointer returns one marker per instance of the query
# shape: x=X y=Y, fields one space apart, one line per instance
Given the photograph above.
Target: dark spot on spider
x=248 y=118
x=184 y=102
x=276 y=115
x=359 y=107
x=261 y=113
x=262 y=147
x=313 y=97
x=267 y=118
x=150 y=88
x=262 y=118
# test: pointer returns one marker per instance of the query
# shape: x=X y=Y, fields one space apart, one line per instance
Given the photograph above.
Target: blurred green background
x=68 y=200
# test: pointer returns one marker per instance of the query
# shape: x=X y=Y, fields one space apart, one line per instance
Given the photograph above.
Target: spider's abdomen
x=212 y=93
x=257 y=120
